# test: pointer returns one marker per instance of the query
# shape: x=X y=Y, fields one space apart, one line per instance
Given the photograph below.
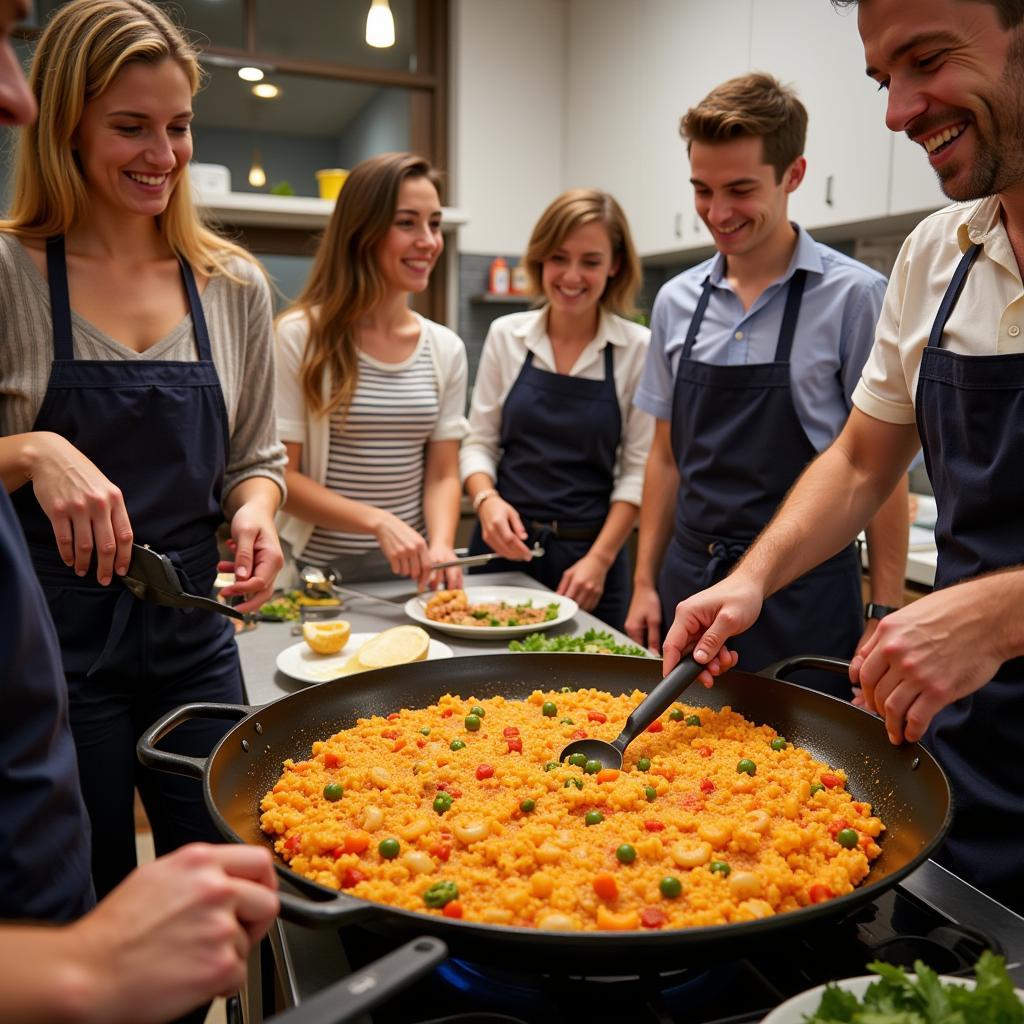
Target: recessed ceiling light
x=250 y=74
x=266 y=91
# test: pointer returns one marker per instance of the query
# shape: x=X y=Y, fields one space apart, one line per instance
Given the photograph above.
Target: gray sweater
x=239 y=318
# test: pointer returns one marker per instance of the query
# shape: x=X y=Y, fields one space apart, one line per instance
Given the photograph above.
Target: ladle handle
x=652 y=706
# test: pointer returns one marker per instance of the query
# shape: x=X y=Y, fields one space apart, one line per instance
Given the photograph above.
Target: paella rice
x=453 y=607
x=462 y=809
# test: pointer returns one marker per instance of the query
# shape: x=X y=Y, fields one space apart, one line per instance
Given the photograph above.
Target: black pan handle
x=361 y=992
x=781 y=669
x=333 y=913
x=182 y=764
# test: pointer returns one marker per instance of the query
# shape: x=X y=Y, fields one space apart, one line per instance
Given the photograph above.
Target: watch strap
x=878 y=611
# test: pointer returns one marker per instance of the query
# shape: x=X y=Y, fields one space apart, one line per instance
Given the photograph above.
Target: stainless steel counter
x=260 y=647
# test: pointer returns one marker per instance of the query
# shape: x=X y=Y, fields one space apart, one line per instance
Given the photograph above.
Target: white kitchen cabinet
x=817 y=50
x=914 y=187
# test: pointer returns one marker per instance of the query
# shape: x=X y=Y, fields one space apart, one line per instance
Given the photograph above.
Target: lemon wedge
x=397 y=646
x=327 y=637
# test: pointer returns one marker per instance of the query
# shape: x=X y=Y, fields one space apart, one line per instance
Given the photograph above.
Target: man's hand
x=931 y=653
x=643 y=620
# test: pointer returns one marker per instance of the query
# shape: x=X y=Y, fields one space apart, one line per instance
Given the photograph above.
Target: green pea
x=644 y=764
x=816 y=787
x=388 y=848
x=548 y=709
x=746 y=767
x=593 y=818
x=651 y=793
x=592 y=767
x=578 y=783
x=425 y=731
x=566 y=721
x=779 y=743
x=333 y=791
x=456 y=745
x=625 y=854
x=550 y=766
x=472 y=723
x=577 y=759
x=719 y=867
x=478 y=711
x=527 y=806
x=671 y=888
x=440 y=894
x=676 y=715
x=848 y=838
x=693 y=719
x=442 y=802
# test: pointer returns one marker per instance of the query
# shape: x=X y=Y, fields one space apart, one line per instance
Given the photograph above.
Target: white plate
x=304 y=664
x=484 y=594
x=793 y=1011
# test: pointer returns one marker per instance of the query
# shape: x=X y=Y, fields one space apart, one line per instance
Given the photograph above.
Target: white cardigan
x=295 y=423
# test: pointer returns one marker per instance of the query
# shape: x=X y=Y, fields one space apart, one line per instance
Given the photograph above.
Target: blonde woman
x=371 y=396
x=556 y=451
x=135 y=397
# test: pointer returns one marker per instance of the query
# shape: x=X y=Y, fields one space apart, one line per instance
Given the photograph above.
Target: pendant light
x=257 y=176
x=380 y=25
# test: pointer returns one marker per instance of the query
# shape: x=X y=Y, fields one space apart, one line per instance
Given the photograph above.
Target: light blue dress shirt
x=841 y=303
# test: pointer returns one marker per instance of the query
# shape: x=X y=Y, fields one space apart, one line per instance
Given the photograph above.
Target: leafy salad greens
x=594 y=641
x=897 y=998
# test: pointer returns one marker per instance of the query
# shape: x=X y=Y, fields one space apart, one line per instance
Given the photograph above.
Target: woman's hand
x=86 y=510
x=503 y=530
x=404 y=548
x=643 y=620
x=450 y=579
x=584 y=581
x=258 y=558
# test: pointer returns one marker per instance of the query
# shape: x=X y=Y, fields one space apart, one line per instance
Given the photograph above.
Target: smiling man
x=947 y=371
x=754 y=356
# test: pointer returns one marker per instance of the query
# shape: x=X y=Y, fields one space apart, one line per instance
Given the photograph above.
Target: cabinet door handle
x=679 y=225
x=829 y=181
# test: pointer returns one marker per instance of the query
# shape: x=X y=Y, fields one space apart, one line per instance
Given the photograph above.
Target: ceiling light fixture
x=380 y=25
x=266 y=90
x=251 y=74
x=257 y=176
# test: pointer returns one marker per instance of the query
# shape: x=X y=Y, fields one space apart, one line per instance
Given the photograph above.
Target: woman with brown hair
x=371 y=396
x=556 y=451
x=130 y=335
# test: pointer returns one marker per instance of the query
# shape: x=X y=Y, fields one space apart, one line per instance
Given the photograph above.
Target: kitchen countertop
x=260 y=647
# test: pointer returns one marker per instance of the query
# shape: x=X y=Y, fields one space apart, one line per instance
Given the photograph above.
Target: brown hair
x=345 y=283
x=751 y=106
x=1011 y=12
x=572 y=210
x=84 y=46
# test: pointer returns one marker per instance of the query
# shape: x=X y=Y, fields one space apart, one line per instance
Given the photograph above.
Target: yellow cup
x=329 y=180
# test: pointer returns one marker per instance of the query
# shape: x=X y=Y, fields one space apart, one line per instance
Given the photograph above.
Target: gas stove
x=932 y=916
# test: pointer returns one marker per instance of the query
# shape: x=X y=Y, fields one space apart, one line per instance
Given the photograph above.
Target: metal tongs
x=152 y=577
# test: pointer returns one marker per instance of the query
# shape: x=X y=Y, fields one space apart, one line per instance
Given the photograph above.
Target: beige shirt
x=988 y=319
x=508 y=340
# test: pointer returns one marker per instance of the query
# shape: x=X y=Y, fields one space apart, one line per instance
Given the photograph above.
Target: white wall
x=507 y=116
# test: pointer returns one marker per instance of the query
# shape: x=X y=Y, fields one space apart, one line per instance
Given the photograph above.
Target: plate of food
x=328 y=652
x=894 y=994
x=488 y=613
x=285 y=605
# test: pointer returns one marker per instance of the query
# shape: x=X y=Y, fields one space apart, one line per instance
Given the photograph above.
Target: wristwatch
x=878 y=611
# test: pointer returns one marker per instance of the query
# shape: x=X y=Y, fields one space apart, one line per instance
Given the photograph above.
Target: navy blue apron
x=44 y=830
x=739 y=446
x=559 y=438
x=159 y=431
x=970 y=415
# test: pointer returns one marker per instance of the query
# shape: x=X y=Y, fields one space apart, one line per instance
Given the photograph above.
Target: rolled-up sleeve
x=454 y=372
x=292 y=333
x=654 y=393
x=481 y=449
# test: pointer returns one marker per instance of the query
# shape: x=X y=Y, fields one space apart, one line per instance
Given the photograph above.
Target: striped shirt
x=378 y=450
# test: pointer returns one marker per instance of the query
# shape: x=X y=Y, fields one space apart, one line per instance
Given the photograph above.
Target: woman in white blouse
x=556 y=451
x=370 y=395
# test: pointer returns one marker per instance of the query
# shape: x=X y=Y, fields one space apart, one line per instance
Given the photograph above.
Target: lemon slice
x=397 y=646
x=327 y=637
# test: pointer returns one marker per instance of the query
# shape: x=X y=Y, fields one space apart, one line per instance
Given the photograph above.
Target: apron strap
x=697 y=319
x=60 y=303
x=195 y=307
x=794 y=296
x=949 y=300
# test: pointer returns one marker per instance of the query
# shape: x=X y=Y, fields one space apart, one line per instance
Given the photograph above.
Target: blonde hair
x=570 y=211
x=345 y=283
x=80 y=53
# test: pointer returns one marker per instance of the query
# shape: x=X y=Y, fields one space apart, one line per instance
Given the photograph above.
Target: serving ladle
x=670 y=689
